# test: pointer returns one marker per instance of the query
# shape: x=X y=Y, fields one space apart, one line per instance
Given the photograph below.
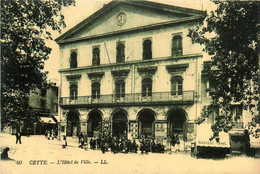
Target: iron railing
x=128 y=98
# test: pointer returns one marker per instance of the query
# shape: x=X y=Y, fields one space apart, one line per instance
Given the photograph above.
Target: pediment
x=123 y=16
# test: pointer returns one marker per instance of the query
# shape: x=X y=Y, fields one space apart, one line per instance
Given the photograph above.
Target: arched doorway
x=73 y=128
x=94 y=123
x=146 y=123
x=175 y=121
x=119 y=124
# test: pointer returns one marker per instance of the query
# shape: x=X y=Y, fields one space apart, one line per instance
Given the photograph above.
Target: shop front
x=207 y=148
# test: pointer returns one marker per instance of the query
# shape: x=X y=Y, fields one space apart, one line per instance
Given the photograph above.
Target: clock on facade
x=121 y=18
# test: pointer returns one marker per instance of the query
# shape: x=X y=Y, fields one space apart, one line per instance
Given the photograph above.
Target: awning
x=48 y=120
x=56 y=118
x=204 y=133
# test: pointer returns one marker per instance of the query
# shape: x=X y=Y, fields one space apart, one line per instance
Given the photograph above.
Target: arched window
x=147 y=87
x=147 y=49
x=73 y=92
x=95 y=90
x=120 y=53
x=73 y=60
x=120 y=88
x=177 y=45
x=176 y=85
x=96 y=57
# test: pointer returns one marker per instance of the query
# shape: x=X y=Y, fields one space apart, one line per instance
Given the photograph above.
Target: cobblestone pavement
x=36 y=155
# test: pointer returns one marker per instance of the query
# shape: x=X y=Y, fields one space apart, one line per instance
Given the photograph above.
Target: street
x=36 y=154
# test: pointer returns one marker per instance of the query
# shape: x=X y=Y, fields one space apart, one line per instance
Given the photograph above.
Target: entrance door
x=119 y=124
x=146 y=124
x=94 y=123
x=176 y=119
x=73 y=124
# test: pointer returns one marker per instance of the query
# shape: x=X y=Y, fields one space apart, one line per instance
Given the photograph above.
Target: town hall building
x=131 y=69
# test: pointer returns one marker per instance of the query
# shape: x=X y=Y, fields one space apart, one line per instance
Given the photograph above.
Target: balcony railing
x=129 y=98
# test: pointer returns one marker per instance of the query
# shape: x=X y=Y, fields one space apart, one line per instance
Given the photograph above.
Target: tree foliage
x=25 y=25
x=230 y=35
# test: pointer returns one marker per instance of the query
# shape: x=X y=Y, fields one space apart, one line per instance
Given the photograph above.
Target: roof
x=191 y=13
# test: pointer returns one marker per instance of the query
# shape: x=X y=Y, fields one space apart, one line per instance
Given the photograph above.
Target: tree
x=230 y=35
x=25 y=26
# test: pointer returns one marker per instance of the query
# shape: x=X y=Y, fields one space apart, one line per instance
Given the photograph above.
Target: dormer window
x=73 y=60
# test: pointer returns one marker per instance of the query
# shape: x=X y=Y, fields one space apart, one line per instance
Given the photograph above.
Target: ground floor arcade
x=131 y=122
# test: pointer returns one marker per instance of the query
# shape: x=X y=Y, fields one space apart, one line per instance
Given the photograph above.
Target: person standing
x=18 y=137
x=173 y=142
x=80 y=136
x=52 y=134
x=49 y=135
x=177 y=143
x=65 y=141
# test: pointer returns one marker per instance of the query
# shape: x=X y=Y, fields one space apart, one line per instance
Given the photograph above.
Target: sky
x=85 y=8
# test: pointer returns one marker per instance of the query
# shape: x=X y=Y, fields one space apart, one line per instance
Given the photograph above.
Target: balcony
x=131 y=99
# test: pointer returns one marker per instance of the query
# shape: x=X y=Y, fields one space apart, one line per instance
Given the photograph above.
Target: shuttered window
x=177 y=46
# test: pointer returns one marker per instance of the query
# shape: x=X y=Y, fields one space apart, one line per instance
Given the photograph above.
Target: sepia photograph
x=130 y=87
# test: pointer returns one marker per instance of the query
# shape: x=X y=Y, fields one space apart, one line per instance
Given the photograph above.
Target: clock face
x=121 y=18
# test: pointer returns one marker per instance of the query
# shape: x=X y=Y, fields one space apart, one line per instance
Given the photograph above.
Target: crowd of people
x=51 y=134
x=120 y=144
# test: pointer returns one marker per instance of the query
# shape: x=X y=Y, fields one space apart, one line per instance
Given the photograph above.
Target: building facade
x=44 y=103
x=130 y=69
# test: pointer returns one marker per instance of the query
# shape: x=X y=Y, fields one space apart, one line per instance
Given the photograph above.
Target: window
x=210 y=88
x=56 y=106
x=120 y=89
x=95 y=90
x=236 y=111
x=177 y=45
x=147 y=49
x=73 y=92
x=43 y=104
x=120 y=53
x=56 y=91
x=147 y=87
x=73 y=60
x=43 y=92
x=176 y=85
x=213 y=115
x=96 y=57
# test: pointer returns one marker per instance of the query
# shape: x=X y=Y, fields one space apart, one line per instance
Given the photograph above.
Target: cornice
x=120 y=73
x=147 y=70
x=141 y=4
x=177 y=67
x=125 y=65
x=96 y=75
x=75 y=77
x=136 y=29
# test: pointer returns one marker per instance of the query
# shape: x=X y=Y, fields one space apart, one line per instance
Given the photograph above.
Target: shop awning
x=48 y=120
x=204 y=133
x=56 y=118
